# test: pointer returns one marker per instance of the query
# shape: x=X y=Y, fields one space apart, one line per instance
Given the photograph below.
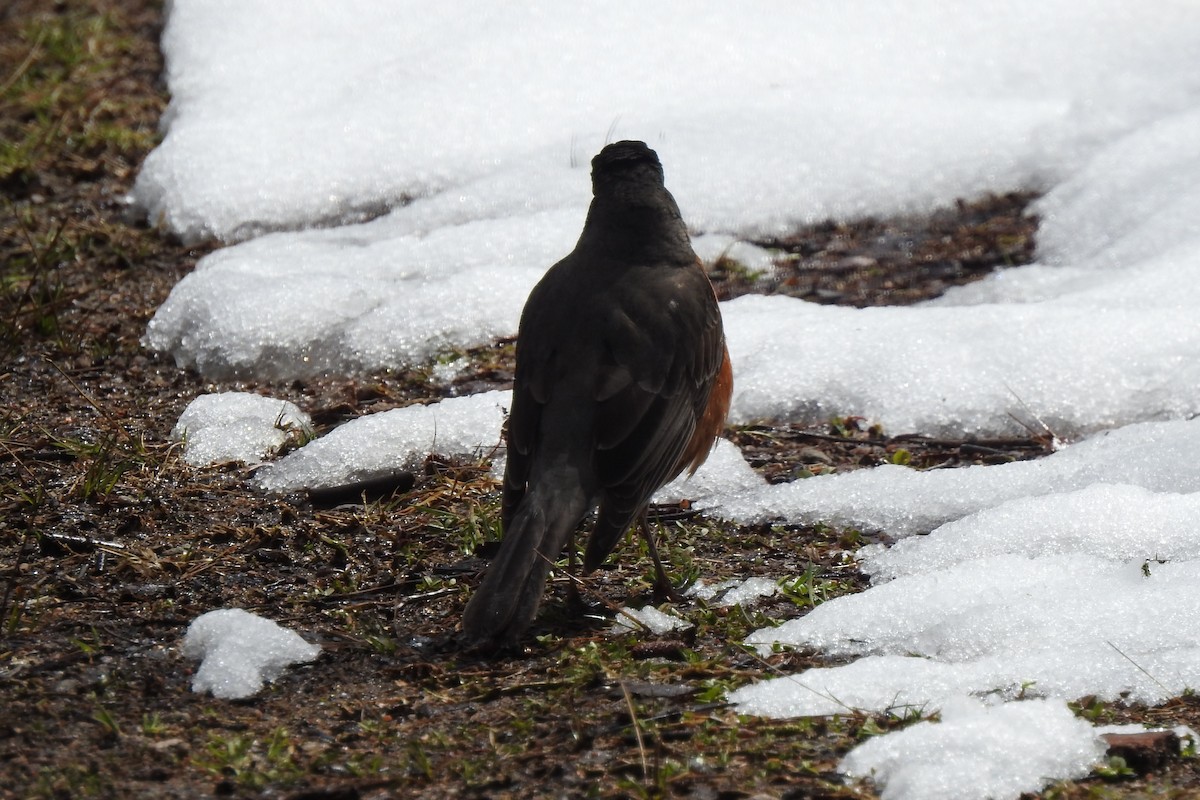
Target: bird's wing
x=665 y=347
x=536 y=351
x=556 y=367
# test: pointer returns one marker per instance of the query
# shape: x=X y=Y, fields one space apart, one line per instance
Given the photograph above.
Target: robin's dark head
x=632 y=216
x=624 y=168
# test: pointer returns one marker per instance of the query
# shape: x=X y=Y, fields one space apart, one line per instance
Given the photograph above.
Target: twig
x=87 y=397
x=10 y=587
x=581 y=584
x=34 y=51
x=795 y=679
x=1140 y=667
x=408 y=598
x=1055 y=442
x=637 y=730
x=17 y=460
x=85 y=542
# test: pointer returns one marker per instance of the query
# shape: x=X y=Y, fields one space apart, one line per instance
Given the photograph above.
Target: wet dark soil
x=110 y=545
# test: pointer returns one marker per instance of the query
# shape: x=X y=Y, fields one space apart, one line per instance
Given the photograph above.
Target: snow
x=480 y=163
x=977 y=751
x=647 y=618
x=1060 y=577
x=733 y=592
x=1117 y=522
x=362 y=297
x=1058 y=626
x=395 y=178
x=378 y=443
x=1159 y=456
x=237 y=426
x=240 y=650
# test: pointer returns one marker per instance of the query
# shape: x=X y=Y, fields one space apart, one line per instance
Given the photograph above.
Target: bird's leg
x=663 y=588
x=575 y=604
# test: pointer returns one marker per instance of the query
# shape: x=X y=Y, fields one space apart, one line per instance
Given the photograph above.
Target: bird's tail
x=507 y=600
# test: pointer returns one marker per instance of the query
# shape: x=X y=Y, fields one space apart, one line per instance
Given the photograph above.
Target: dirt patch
x=110 y=544
x=899 y=261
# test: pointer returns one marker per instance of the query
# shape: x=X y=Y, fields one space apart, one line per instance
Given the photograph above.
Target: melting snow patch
x=1058 y=626
x=733 y=592
x=1114 y=521
x=1157 y=456
x=240 y=650
x=707 y=591
x=724 y=473
x=236 y=426
x=978 y=751
x=659 y=622
x=378 y=443
x=748 y=590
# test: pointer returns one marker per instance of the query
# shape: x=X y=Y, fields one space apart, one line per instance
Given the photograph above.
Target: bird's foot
x=665 y=591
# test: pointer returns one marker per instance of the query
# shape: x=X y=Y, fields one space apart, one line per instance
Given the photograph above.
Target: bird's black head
x=630 y=165
x=633 y=217
x=621 y=156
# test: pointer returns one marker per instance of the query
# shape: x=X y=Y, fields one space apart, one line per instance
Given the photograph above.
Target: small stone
x=670 y=649
x=1143 y=752
x=811 y=455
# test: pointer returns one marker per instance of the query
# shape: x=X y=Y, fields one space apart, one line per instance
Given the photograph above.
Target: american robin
x=622 y=381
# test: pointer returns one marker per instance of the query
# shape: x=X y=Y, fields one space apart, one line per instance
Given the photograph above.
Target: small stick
x=637 y=731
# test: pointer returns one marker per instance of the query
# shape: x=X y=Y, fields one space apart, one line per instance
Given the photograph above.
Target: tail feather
x=507 y=600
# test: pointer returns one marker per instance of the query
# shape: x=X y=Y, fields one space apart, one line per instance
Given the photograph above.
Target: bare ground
x=110 y=544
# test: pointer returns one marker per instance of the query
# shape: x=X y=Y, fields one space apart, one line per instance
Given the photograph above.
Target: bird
x=622 y=382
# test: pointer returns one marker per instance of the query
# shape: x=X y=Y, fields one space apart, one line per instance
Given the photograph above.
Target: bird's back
x=619 y=349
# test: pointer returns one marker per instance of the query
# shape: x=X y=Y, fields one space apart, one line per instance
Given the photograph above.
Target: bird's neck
x=636 y=233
